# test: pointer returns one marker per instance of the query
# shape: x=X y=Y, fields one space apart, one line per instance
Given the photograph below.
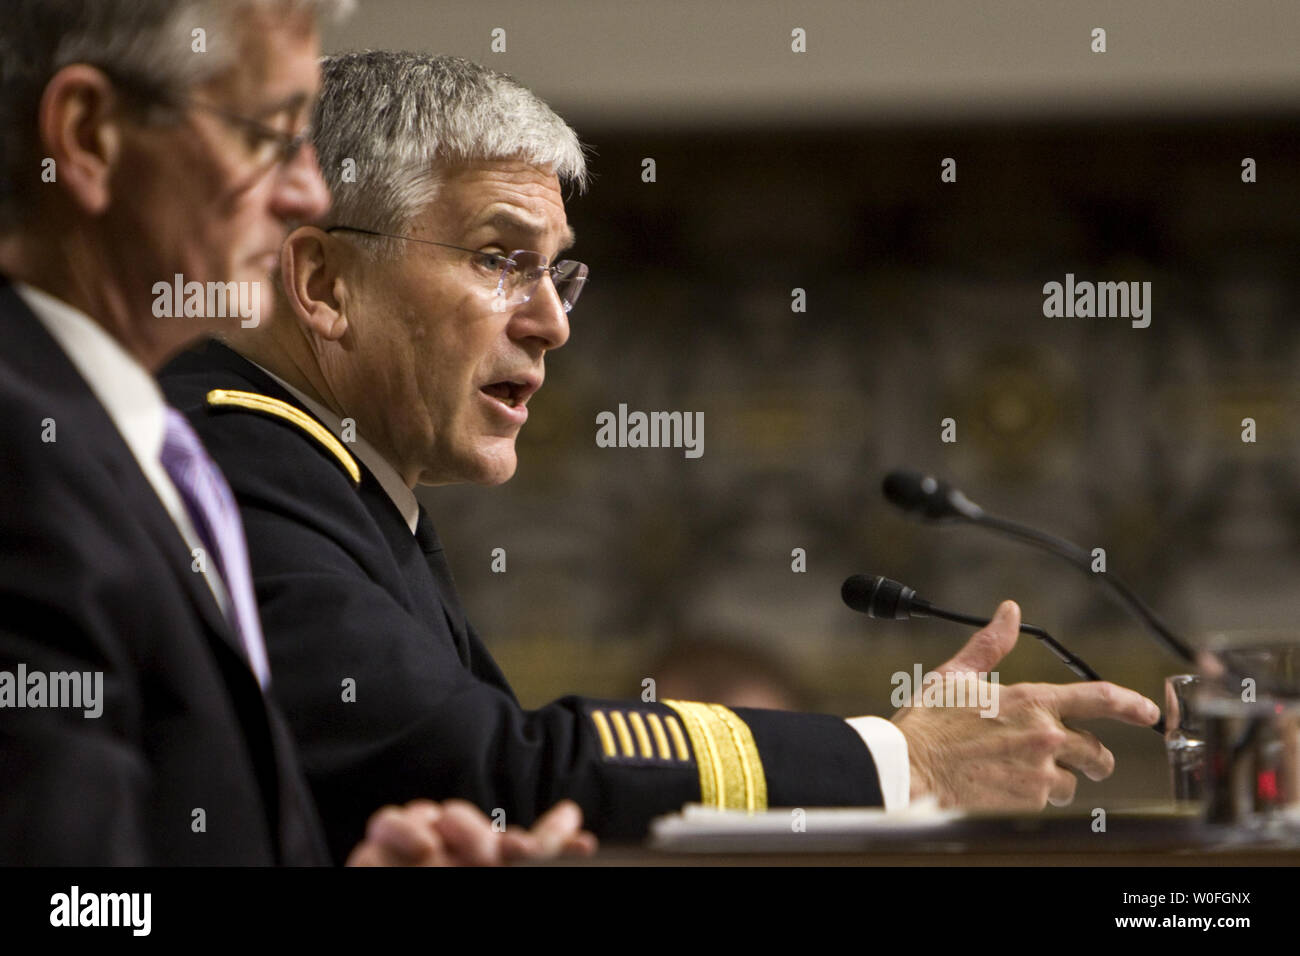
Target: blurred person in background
x=726 y=670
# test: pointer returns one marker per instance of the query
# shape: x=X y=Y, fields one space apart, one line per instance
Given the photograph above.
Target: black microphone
x=886 y=599
x=929 y=497
x=933 y=500
x=881 y=598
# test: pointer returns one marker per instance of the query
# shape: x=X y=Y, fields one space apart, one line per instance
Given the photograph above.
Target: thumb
x=988 y=645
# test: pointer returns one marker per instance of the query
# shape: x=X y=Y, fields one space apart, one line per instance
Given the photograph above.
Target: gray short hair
x=144 y=45
x=403 y=117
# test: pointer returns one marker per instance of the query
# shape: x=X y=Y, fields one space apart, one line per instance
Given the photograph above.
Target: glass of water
x=1184 y=738
x=1246 y=705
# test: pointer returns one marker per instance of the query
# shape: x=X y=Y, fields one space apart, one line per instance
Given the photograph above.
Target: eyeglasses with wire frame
x=517 y=275
x=266 y=145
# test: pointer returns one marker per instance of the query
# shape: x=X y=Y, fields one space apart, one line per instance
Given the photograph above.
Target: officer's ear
x=310 y=274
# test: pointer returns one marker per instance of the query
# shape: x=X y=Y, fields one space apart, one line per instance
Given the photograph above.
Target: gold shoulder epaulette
x=253 y=402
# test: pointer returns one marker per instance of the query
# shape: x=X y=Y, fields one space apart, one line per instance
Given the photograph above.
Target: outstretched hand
x=1025 y=756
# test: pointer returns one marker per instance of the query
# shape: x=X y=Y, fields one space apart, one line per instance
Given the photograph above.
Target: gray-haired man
x=414 y=327
x=147 y=142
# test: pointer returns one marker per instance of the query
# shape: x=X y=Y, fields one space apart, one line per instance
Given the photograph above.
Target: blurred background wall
x=820 y=170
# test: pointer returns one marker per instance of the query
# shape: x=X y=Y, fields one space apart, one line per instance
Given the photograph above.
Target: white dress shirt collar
x=129 y=394
x=123 y=386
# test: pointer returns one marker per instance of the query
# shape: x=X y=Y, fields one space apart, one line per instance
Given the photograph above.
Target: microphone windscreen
x=874 y=596
x=856 y=592
x=904 y=489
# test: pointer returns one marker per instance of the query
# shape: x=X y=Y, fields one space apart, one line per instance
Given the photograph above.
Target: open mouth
x=507 y=393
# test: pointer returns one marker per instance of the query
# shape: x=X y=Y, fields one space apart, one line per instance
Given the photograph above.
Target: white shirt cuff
x=888 y=749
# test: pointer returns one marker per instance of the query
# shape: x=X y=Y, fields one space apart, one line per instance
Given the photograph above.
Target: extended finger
x=1082 y=751
x=988 y=645
x=1094 y=699
x=557 y=825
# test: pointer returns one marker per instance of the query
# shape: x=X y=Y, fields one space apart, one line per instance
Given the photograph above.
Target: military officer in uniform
x=417 y=315
x=109 y=498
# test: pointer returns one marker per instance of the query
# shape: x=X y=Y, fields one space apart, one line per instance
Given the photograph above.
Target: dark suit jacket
x=94 y=576
x=347 y=593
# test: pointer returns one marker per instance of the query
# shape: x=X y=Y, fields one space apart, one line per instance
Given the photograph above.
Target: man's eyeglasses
x=516 y=276
x=267 y=145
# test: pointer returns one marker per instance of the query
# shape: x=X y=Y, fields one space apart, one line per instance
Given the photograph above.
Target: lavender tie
x=212 y=508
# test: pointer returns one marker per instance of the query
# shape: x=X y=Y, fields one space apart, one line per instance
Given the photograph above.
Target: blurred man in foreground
x=134 y=726
x=412 y=330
